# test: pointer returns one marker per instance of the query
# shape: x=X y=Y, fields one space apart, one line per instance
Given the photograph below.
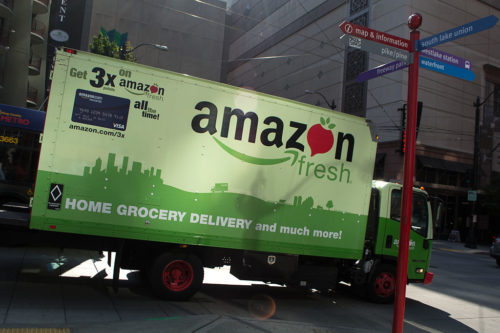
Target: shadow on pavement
x=342 y=310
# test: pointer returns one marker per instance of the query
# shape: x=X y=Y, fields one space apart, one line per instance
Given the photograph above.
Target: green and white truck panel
x=136 y=152
x=186 y=173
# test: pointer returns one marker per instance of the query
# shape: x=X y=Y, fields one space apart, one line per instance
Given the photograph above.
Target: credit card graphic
x=101 y=110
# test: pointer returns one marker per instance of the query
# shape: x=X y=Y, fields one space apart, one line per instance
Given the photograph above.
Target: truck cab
x=377 y=269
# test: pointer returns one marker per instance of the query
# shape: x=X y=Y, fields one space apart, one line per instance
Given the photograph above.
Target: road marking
x=451 y=250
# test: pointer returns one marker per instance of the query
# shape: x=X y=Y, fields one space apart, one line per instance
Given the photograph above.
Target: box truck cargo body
x=187 y=173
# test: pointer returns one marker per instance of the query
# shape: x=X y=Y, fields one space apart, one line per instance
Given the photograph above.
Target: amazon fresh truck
x=176 y=173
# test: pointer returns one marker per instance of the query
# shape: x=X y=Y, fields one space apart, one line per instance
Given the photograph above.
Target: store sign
x=13 y=116
x=9 y=139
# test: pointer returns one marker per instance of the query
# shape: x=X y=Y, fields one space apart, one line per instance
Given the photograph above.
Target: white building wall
x=193 y=32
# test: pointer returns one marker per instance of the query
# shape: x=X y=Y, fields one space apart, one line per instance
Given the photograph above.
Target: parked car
x=495 y=249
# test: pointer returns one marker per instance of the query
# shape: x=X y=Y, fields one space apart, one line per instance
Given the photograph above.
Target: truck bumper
x=428 y=278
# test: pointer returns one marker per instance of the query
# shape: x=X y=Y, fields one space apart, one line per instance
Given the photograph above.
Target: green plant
x=103 y=46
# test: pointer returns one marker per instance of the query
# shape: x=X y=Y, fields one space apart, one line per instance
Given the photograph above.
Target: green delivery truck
x=177 y=173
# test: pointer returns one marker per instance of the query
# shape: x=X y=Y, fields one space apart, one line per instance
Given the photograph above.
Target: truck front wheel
x=382 y=285
x=176 y=275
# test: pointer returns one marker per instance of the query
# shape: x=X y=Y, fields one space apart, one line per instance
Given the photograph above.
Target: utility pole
x=471 y=239
x=330 y=105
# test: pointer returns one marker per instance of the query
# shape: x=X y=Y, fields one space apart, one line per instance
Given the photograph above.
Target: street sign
x=441 y=67
x=457 y=32
x=375 y=35
x=381 y=70
x=431 y=63
x=471 y=195
x=446 y=58
x=377 y=48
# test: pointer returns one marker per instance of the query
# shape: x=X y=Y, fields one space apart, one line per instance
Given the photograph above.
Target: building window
x=354 y=99
x=361 y=20
x=356 y=62
x=357 y=6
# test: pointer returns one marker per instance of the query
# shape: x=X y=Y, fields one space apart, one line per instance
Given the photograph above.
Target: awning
x=435 y=163
x=14 y=116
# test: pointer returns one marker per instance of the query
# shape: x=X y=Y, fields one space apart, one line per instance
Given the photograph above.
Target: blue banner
x=441 y=67
x=13 y=116
x=457 y=32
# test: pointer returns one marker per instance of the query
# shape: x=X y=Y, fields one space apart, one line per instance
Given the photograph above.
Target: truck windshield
x=419 y=216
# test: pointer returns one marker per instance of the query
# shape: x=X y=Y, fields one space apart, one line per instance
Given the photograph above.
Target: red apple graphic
x=154 y=88
x=320 y=139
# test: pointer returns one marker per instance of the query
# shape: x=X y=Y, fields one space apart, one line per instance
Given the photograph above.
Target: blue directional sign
x=457 y=32
x=441 y=67
x=446 y=58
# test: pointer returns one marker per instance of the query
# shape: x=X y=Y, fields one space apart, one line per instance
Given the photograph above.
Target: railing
x=32 y=96
x=35 y=64
x=8 y=3
x=38 y=28
x=45 y=2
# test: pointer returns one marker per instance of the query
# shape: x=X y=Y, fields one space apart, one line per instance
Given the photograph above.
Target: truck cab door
x=420 y=233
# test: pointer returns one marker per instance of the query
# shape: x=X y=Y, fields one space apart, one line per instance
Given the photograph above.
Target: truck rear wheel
x=498 y=261
x=176 y=275
x=382 y=285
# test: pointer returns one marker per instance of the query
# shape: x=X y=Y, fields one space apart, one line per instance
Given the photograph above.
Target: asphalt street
x=71 y=290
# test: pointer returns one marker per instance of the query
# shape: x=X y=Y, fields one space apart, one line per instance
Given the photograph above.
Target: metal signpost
x=435 y=60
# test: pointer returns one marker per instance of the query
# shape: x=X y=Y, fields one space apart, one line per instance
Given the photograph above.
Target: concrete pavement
x=71 y=289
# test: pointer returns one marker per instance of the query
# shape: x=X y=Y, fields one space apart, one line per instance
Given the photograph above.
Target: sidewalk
x=42 y=289
x=53 y=288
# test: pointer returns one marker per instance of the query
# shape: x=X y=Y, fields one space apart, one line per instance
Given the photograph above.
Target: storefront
x=20 y=130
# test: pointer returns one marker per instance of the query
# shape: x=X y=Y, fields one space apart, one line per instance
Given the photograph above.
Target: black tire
x=382 y=285
x=176 y=275
x=498 y=261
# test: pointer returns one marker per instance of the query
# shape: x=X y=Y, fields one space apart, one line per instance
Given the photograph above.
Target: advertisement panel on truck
x=136 y=152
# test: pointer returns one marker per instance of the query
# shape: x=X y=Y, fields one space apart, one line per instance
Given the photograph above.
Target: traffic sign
x=375 y=35
x=444 y=68
x=377 y=48
x=381 y=70
x=471 y=195
x=457 y=32
x=447 y=58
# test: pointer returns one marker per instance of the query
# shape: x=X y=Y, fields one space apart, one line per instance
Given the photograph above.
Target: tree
x=103 y=46
x=308 y=203
x=329 y=204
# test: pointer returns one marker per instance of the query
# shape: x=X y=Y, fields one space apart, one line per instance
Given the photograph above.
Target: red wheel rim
x=384 y=284
x=178 y=275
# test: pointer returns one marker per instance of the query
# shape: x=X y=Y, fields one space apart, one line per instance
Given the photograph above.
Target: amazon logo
x=271 y=131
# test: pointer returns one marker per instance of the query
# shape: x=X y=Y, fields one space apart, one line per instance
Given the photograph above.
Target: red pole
x=414 y=22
